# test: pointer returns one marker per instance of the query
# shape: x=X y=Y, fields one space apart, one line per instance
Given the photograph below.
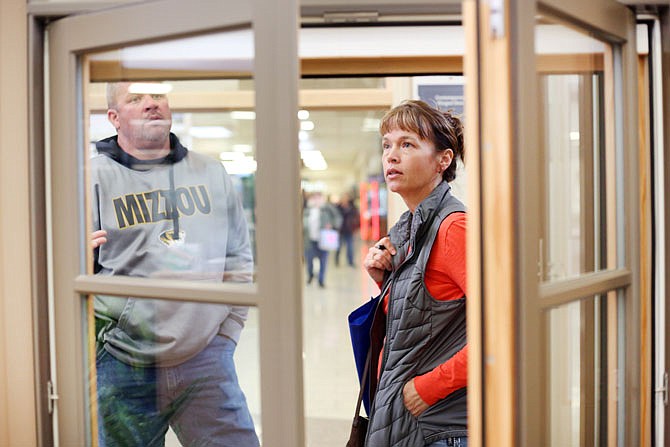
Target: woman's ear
x=445 y=159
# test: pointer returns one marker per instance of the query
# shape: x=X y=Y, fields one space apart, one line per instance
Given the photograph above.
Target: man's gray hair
x=112 y=93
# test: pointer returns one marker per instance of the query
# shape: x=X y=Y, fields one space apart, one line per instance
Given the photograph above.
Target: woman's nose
x=392 y=155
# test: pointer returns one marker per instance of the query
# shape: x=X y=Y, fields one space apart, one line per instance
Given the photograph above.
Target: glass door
x=556 y=256
x=164 y=252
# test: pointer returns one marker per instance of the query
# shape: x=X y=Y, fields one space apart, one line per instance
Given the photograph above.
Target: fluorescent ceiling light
x=305 y=145
x=370 y=125
x=303 y=114
x=302 y=135
x=242 y=148
x=243 y=166
x=207 y=132
x=306 y=125
x=243 y=115
x=149 y=88
x=314 y=160
x=228 y=156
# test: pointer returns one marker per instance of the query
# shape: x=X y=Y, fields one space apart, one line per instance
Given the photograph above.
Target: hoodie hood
x=110 y=147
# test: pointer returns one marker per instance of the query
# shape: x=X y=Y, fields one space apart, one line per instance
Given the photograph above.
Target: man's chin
x=161 y=123
x=155 y=134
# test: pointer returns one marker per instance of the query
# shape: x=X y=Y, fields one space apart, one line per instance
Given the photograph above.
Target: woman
x=418 y=388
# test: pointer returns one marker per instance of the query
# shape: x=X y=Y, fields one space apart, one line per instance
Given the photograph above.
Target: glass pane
x=154 y=370
x=170 y=181
x=574 y=72
x=347 y=136
x=577 y=370
x=183 y=200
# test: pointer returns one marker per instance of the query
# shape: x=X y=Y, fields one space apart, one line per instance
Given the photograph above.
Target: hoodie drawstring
x=175 y=211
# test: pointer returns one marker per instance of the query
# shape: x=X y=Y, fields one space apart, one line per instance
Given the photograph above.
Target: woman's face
x=412 y=166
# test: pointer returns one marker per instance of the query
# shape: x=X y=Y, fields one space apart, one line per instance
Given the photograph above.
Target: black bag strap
x=363 y=381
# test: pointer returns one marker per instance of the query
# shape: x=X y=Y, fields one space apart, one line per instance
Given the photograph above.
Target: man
x=160 y=210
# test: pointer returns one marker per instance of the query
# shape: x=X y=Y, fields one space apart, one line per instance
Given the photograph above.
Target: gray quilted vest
x=421 y=333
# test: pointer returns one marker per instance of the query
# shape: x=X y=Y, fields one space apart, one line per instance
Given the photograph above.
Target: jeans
x=459 y=441
x=313 y=251
x=346 y=239
x=200 y=399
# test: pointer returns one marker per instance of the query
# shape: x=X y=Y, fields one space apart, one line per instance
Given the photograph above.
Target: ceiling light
x=302 y=135
x=370 y=125
x=243 y=148
x=314 y=160
x=149 y=88
x=229 y=156
x=243 y=166
x=303 y=114
x=305 y=145
x=306 y=125
x=207 y=132
x=243 y=115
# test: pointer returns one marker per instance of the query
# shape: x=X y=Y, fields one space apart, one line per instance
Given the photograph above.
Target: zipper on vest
x=389 y=316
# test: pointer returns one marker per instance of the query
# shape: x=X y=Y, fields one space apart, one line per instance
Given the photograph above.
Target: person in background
x=162 y=211
x=350 y=224
x=318 y=215
x=418 y=381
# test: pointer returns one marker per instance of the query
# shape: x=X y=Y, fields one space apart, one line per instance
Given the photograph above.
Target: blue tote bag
x=360 y=322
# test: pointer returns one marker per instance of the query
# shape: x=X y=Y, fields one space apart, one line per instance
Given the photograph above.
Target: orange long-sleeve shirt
x=446 y=280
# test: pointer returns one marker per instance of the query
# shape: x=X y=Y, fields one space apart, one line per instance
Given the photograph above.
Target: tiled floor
x=331 y=387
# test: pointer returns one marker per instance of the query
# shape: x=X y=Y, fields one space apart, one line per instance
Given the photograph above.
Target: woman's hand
x=412 y=400
x=98 y=238
x=379 y=259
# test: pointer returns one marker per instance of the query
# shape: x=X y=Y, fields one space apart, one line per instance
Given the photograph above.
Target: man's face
x=142 y=119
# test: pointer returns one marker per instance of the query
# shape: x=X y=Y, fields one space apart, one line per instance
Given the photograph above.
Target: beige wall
x=17 y=395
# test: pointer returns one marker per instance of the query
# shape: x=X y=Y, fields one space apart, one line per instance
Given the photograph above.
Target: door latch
x=664 y=389
x=52 y=396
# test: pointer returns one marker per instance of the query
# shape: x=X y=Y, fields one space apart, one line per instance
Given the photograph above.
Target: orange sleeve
x=446 y=280
x=444 y=379
x=445 y=271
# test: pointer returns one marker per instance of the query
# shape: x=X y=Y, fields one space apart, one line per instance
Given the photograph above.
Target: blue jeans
x=313 y=251
x=346 y=239
x=458 y=441
x=200 y=399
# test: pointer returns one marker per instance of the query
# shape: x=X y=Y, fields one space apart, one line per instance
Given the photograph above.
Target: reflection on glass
x=573 y=73
x=153 y=372
x=577 y=385
x=167 y=200
x=226 y=137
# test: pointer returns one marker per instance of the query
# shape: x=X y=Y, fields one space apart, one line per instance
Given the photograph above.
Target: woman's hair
x=443 y=129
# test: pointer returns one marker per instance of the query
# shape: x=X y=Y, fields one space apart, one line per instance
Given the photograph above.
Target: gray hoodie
x=202 y=238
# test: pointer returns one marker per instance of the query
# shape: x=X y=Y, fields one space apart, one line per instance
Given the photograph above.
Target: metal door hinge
x=52 y=396
x=664 y=389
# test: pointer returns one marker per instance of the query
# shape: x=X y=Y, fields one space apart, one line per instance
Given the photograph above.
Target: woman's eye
x=406 y=145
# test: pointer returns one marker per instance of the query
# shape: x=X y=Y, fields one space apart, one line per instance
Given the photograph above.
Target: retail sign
x=444 y=92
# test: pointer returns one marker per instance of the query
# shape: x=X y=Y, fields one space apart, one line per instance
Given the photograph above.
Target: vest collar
x=410 y=226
